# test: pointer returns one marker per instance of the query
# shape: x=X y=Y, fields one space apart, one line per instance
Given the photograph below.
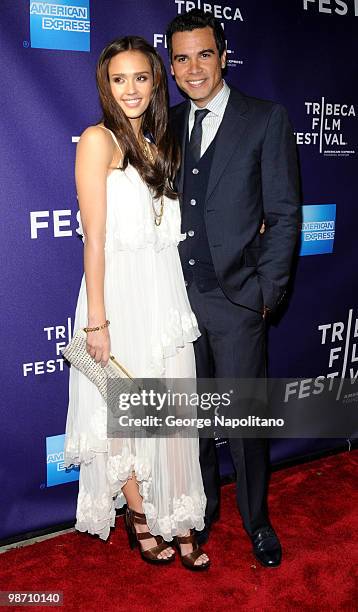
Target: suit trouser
x=232 y=345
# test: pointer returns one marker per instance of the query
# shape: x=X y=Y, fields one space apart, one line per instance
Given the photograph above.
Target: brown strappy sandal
x=189 y=560
x=151 y=555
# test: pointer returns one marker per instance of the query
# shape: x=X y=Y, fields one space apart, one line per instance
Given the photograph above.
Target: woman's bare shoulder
x=95 y=143
x=96 y=134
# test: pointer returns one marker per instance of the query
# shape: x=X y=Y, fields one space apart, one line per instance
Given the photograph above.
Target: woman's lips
x=132 y=103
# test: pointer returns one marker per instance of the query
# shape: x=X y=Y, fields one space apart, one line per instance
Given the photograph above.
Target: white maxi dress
x=152 y=330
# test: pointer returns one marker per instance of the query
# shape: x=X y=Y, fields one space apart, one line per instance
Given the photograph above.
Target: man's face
x=196 y=64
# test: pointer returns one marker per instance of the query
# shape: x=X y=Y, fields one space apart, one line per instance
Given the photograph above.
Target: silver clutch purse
x=75 y=352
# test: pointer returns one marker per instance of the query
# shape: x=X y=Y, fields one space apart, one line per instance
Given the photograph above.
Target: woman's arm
x=93 y=158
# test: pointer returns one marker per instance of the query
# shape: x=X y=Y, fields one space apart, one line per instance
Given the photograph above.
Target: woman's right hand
x=99 y=345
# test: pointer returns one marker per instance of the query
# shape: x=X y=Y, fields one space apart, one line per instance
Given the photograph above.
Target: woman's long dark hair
x=159 y=177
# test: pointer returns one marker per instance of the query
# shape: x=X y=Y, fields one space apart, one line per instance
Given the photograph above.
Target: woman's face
x=131 y=81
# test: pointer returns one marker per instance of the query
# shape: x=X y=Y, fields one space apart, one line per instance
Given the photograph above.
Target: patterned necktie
x=196 y=133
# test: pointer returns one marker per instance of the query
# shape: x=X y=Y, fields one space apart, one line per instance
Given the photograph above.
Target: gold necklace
x=158 y=216
x=147 y=150
x=149 y=157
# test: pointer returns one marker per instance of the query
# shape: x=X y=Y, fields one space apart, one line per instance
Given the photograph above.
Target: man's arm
x=280 y=192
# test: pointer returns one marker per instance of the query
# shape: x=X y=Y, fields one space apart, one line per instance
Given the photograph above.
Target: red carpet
x=313 y=508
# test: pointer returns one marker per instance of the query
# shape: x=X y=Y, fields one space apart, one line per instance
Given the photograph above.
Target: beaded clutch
x=76 y=353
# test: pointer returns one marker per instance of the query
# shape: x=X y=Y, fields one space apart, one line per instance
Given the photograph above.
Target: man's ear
x=171 y=70
x=223 y=59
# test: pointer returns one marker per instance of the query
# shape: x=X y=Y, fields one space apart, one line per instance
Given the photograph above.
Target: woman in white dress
x=133 y=279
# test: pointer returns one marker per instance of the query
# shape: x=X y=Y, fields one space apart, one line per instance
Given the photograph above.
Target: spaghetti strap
x=113 y=136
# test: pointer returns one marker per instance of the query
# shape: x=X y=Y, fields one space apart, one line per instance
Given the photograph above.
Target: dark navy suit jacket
x=254 y=176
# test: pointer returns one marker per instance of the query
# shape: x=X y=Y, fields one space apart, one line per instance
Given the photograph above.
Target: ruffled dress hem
x=97 y=515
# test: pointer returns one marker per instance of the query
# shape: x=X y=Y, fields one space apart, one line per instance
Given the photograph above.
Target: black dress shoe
x=267 y=547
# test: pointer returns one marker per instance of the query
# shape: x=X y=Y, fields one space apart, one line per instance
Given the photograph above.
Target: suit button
x=186 y=283
x=191 y=233
x=193 y=202
x=191 y=262
x=195 y=171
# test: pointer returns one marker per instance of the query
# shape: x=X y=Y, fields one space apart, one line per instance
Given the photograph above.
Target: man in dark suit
x=238 y=168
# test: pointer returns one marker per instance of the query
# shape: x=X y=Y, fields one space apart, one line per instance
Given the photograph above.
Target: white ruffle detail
x=131 y=226
x=178 y=329
x=95 y=514
x=81 y=448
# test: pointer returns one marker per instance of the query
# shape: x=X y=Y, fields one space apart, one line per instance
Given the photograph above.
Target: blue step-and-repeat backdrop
x=302 y=53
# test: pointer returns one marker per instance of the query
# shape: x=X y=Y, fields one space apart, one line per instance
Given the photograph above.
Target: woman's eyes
x=141 y=78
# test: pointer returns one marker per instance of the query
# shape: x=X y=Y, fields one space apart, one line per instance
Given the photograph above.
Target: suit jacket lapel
x=228 y=138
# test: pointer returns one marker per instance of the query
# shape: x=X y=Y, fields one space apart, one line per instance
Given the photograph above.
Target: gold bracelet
x=93 y=329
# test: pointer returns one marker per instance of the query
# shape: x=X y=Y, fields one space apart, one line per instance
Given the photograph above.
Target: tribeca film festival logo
x=58 y=336
x=60 y=24
x=220 y=12
x=327 y=120
x=332 y=7
x=318 y=229
x=341 y=340
x=56 y=471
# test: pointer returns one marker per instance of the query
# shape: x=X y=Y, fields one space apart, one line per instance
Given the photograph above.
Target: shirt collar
x=217 y=105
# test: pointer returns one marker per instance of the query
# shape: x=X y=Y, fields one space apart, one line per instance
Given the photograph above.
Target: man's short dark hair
x=192 y=20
